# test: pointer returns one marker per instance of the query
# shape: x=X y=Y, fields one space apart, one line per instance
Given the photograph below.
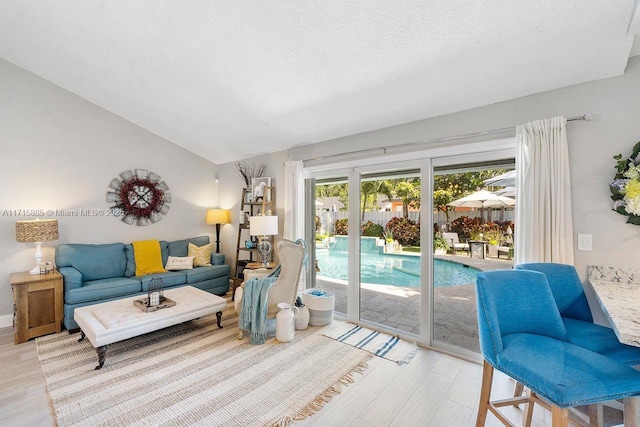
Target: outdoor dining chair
x=522 y=335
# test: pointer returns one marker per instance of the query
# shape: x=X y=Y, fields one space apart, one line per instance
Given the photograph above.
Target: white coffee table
x=118 y=320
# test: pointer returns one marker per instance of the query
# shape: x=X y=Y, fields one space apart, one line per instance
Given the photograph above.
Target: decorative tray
x=143 y=304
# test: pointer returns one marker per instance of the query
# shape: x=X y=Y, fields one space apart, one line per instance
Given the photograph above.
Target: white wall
x=615 y=128
x=58 y=151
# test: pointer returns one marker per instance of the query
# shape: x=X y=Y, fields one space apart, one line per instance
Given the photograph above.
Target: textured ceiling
x=233 y=79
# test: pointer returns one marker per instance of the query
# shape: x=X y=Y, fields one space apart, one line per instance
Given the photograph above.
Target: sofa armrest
x=71 y=277
x=217 y=259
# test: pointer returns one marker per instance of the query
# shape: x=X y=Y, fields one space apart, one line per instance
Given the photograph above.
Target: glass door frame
x=425 y=160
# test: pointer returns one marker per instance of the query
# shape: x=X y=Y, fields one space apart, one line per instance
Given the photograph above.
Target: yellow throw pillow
x=148 y=257
x=202 y=254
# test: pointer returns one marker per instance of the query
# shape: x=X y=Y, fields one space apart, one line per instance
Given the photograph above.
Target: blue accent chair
x=523 y=336
x=576 y=315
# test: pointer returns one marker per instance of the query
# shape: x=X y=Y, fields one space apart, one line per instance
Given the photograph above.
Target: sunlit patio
x=398 y=307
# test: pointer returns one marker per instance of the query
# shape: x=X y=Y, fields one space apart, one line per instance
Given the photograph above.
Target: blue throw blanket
x=253 y=311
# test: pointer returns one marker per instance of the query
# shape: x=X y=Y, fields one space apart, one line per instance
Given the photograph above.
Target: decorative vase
x=302 y=318
x=285 y=322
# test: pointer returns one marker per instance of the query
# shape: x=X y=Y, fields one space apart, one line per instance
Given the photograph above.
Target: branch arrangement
x=247 y=171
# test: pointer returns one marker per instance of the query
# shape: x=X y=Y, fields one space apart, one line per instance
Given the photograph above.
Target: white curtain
x=294 y=207
x=544 y=227
x=293 y=200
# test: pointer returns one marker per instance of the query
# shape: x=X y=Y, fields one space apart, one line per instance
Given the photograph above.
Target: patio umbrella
x=506 y=191
x=507 y=179
x=483 y=199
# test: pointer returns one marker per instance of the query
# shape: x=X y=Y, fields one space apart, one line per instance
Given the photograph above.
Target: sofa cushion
x=172 y=278
x=205 y=273
x=201 y=255
x=94 y=262
x=96 y=290
x=181 y=247
x=176 y=263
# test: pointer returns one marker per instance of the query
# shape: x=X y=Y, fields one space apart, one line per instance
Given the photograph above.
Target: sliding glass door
x=389 y=222
x=473 y=229
x=399 y=254
x=331 y=234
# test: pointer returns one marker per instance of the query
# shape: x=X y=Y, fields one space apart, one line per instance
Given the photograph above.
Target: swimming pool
x=396 y=270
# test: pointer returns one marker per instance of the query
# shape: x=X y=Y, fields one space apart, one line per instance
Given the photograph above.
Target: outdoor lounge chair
x=454 y=242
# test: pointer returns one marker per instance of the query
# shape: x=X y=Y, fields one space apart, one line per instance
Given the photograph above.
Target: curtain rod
x=585 y=117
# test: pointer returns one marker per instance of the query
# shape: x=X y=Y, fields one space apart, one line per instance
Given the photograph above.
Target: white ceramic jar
x=285 y=322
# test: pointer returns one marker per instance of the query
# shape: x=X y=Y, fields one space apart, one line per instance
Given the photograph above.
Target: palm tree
x=368 y=189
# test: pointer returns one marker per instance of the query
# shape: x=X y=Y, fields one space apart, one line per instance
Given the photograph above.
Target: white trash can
x=320 y=304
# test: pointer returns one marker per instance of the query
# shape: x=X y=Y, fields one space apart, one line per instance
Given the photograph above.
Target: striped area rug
x=195 y=374
x=378 y=343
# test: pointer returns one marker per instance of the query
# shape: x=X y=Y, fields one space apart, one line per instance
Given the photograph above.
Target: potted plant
x=440 y=244
x=388 y=235
x=493 y=236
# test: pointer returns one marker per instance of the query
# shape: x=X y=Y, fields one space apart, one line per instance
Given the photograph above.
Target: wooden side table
x=37 y=304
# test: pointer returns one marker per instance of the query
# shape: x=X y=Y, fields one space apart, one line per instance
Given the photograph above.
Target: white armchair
x=291 y=257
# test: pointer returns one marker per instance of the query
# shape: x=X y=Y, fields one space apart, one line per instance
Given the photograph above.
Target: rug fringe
x=409 y=356
x=323 y=398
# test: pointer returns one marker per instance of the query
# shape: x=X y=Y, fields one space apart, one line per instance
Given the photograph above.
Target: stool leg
x=559 y=416
x=632 y=412
x=518 y=390
x=596 y=415
x=527 y=415
x=485 y=394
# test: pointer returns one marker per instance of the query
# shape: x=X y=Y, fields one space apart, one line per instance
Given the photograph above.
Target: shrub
x=466 y=227
x=371 y=230
x=342 y=226
x=405 y=231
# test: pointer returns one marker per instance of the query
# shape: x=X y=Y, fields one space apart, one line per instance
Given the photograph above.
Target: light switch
x=584 y=242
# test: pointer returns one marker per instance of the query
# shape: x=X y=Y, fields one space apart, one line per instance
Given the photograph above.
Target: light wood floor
x=432 y=390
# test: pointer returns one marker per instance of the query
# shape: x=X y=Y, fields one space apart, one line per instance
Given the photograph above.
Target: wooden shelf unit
x=253 y=209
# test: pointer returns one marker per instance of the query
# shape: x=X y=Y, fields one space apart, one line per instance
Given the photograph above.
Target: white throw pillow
x=179 y=263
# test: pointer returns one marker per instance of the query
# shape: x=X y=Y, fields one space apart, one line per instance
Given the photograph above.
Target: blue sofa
x=98 y=273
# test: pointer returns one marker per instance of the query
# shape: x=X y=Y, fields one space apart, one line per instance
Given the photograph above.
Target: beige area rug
x=195 y=374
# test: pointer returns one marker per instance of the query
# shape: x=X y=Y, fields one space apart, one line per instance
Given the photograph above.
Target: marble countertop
x=621 y=303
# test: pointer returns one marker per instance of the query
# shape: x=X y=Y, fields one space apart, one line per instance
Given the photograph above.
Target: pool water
x=396 y=270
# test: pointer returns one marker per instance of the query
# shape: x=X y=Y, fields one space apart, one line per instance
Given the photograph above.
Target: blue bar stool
x=523 y=336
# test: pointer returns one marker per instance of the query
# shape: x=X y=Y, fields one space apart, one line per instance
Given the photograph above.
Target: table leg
x=102 y=354
x=632 y=412
x=219 y=319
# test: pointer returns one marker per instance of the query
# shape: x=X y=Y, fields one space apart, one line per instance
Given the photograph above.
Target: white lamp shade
x=263 y=225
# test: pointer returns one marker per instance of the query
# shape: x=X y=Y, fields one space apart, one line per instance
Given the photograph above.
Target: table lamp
x=264 y=226
x=37 y=231
x=217 y=217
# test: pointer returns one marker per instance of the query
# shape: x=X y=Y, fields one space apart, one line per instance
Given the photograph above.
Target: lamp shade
x=37 y=230
x=218 y=216
x=263 y=225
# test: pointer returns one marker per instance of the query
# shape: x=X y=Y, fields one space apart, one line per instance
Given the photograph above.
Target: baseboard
x=6 y=321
